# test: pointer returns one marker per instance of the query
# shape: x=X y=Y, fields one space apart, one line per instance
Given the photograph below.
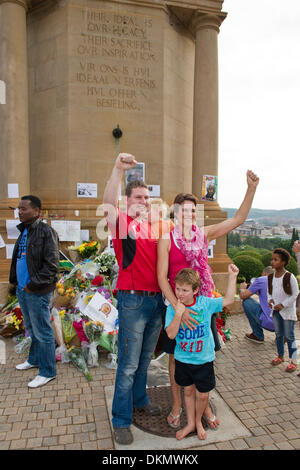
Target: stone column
x=205 y=132
x=205 y=136
x=14 y=141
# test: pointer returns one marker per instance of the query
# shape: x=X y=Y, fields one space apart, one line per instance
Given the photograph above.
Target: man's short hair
x=284 y=254
x=134 y=184
x=188 y=276
x=35 y=202
x=268 y=270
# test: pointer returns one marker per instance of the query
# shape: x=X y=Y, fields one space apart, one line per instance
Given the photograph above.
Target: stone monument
x=75 y=70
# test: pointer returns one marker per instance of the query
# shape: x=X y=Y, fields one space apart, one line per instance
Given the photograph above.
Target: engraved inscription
x=116 y=56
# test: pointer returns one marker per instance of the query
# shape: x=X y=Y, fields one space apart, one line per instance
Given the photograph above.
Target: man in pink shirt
x=140 y=303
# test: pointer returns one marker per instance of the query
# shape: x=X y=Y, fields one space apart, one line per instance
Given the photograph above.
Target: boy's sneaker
x=24 y=366
x=252 y=337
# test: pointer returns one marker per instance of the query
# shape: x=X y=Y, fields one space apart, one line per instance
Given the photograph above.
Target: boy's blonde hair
x=188 y=276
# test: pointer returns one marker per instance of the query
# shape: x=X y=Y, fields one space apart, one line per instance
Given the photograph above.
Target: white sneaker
x=39 y=381
x=24 y=366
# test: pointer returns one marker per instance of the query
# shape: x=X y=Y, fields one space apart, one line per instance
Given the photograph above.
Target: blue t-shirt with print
x=196 y=346
x=22 y=271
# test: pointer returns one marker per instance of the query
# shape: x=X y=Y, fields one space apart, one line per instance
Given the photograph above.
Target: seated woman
x=188 y=247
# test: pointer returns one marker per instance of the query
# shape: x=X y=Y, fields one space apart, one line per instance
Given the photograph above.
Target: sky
x=259 y=102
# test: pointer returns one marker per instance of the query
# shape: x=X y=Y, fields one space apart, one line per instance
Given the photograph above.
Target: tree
x=295 y=236
x=234 y=239
x=266 y=258
x=249 y=266
x=253 y=253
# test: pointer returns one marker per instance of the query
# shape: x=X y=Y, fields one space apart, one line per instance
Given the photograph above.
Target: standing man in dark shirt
x=34 y=273
x=140 y=303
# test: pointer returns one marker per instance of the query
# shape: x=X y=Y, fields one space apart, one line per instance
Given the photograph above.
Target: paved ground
x=71 y=413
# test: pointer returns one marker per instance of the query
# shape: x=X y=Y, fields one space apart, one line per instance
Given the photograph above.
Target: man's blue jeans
x=36 y=314
x=253 y=312
x=140 y=322
x=285 y=328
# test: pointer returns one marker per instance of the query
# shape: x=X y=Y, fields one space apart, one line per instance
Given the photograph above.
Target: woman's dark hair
x=182 y=197
x=284 y=254
x=34 y=201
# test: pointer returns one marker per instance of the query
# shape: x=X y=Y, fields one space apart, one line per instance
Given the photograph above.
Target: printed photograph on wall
x=87 y=189
x=209 y=188
x=136 y=173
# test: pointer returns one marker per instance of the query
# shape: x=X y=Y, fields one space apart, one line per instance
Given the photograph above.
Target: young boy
x=195 y=349
x=282 y=294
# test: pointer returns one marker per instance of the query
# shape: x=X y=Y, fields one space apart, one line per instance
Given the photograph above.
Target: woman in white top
x=282 y=294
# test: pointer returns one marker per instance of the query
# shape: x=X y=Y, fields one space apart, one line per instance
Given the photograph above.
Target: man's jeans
x=36 y=314
x=285 y=328
x=253 y=312
x=140 y=322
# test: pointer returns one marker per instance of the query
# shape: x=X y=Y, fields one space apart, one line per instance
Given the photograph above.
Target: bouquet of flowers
x=17 y=318
x=114 y=350
x=106 y=262
x=77 y=358
x=87 y=249
x=71 y=285
x=67 y=326
x=93 y=331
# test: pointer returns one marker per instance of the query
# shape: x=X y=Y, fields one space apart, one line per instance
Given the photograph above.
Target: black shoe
x=252 y=337
x=123 y=436
x=150 y=410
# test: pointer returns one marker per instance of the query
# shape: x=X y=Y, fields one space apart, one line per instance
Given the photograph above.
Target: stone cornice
x=214 y=5
x=22 y=3
x=202 y=19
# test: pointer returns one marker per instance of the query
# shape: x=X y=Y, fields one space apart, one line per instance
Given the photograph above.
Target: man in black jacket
x=34 y=273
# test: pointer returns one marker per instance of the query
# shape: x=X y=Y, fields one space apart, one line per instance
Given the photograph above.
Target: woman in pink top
x=188 y=247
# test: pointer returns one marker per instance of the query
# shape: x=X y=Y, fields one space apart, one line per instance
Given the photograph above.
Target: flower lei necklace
x=195 y=252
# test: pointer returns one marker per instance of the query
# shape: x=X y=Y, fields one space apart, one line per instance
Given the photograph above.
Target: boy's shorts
x=200 y=375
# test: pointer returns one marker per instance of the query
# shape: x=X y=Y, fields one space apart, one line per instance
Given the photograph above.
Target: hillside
x=271 y=216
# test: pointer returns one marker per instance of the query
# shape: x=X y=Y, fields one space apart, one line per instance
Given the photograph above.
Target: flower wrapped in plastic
x=67 y=326
x=57 y=326
x=113 y=356
x=93 y=331
x=77 y=358
x=106 y=262
x=23 y=346
x=87 y=248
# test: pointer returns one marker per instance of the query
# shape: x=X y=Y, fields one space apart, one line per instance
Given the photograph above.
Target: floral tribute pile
x=77 y=336
x=224 y=334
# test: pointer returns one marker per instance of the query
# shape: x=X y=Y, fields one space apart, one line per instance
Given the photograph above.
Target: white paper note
x=210 y=253
x=2 y=96
x=11 y=229
x=154 y=190
x=13 y=190
x=67 y=230
x=9 y=251
x=2 y=242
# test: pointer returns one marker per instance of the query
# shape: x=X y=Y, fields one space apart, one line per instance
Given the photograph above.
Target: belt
x=141 y=292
